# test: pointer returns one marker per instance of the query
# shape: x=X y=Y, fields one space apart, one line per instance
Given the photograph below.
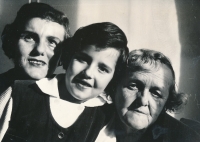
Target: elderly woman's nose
x=143 y=97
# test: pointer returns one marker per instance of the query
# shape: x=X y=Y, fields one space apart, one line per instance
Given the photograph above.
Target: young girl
x=64 y=108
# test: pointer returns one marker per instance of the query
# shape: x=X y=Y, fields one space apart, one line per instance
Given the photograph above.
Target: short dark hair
x=137 y=58
x=101 y=35
x=11 y=31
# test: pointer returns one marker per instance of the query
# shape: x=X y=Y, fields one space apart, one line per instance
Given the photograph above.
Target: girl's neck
x=64 y=93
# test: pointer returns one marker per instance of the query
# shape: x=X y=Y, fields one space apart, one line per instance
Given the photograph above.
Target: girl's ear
x=106 y=97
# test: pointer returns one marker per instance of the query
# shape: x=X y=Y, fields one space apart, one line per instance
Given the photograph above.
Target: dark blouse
x=32 y=121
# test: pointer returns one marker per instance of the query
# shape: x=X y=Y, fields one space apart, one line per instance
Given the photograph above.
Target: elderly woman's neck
x=126 y=133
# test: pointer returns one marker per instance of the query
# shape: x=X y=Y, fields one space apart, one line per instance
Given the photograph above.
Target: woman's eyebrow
x=54 y=38
x=157 y=88
x=28 y=32
x=138 y=81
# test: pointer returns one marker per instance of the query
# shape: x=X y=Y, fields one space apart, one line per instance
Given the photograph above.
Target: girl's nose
x=89 y=72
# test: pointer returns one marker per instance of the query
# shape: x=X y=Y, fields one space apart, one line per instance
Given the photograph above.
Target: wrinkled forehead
x=142 y=65
x=155 y=70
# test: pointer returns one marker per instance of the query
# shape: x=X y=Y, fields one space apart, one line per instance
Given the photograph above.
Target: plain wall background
x=169 y=26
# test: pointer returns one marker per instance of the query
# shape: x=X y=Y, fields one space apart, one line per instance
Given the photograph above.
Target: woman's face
x=90 y=71
x=141 y=97
x=37 y=51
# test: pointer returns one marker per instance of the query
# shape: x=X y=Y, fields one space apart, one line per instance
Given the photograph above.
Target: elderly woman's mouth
x=36 y=62
x=141 y=111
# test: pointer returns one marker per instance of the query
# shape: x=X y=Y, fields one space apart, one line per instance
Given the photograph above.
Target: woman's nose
x=39 y=49
x=143 y=98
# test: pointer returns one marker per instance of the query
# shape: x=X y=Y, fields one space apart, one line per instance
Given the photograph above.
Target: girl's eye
x=133 y=86
x=103 y=70
x=80 y=59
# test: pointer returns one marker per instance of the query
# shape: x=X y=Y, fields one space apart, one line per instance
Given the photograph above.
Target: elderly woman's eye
x=156 y=94
x=132 y=86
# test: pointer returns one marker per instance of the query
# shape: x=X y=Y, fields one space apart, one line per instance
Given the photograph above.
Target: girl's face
x=37 y=51
x=90 y=71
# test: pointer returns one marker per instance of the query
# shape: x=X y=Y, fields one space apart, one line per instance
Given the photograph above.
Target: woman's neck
x=19 y=74
x=125 y=132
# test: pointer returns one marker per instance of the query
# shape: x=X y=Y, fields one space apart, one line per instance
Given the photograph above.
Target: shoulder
x=174 y=130
x=27 y=97
x=25 y=92
x=23 y=87
x=6 y=80
x=193 y=124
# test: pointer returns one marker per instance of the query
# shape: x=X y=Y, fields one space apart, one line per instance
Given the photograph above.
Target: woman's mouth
x=141 y=112
x=35 y=62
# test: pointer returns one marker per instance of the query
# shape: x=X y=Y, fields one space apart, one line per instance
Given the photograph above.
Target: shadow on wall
x=188 y=13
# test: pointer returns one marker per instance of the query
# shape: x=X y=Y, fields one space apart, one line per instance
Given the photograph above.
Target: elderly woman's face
x=36 y=52
x=141 y=97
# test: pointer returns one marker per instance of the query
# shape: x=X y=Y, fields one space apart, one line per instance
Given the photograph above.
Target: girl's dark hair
x=11 y=31
x=101 y=35
x=135 y=62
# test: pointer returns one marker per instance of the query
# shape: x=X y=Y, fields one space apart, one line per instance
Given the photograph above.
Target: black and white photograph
x=100 y=71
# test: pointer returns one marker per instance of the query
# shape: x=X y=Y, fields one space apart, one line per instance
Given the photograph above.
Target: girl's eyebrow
x=82 y=54
x=85 y=55
x=105 y=66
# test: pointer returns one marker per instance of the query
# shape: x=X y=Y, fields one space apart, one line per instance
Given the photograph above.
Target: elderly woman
x=145 y=94
x=33 y=41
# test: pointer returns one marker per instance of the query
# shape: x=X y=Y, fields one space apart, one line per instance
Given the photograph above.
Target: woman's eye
x=156 y=94
x=52 y=44
x=132 y=86
x=28 y=38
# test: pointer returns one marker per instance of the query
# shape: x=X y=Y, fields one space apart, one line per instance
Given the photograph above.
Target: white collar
x=50 y=86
